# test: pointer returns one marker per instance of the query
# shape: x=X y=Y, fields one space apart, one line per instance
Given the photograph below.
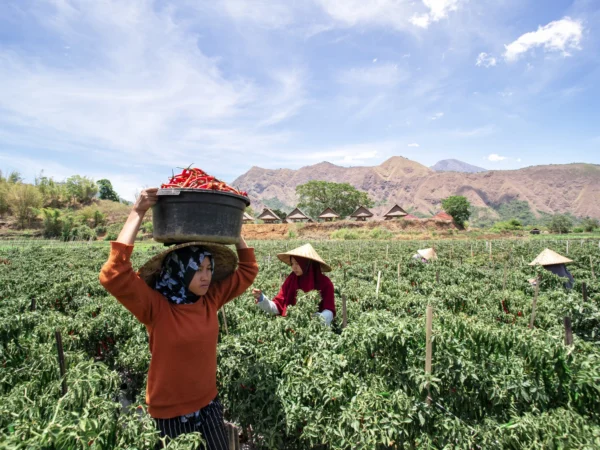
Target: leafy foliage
x=560 y=223
x=343 y=198
x=24 y=200
x=81 y=189
x=495 y=382
x=106 y=191
x=458 y=207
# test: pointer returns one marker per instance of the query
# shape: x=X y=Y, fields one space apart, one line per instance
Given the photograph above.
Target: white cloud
x=558 y=36
x=381 y=75
x=414 y=145
x=266 y=13
x=437 y=116
x=420 y=20
x=496 y=158
x=438 y=10
x=359 y=12
x=148 y=93
x=485 y=60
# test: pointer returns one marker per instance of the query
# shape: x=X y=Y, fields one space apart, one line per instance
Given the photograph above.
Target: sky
x=131 y=90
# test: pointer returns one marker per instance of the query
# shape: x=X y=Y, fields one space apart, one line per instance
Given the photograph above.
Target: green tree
x=24 y=200
x=344 y=198
x=458 y=207
x=81 y=189
x=13 y=177
x=282 y=215
x=589 y=224
x=4 y=197
x=560 y=223
x=52 y=222
x=54 y=193
x=106 y=191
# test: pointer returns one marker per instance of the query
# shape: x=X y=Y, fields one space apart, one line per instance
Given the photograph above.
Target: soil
x=405 y=229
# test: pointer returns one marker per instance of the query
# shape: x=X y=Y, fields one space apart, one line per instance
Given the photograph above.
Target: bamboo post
x=568 y=331
x=61 y=361
x=344 y=312
x=535 y=297
x=428 y=349
x=224 y=319
x=378 y=283
x=33 y=305
x=567 y=246
x=592 y=268
x=584 y=291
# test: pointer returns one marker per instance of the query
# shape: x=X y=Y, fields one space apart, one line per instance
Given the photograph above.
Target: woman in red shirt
x=307 y=275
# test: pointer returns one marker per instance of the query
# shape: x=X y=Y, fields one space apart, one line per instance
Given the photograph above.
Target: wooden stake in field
x=504 y=280
x=584 y=291
x=568 y=331
x=344 y=312
x=567 y=246
x=428 y=349
x=224 y=319
x=592 y=267
x=61 y=361
x=378 y=282
x=533 y=306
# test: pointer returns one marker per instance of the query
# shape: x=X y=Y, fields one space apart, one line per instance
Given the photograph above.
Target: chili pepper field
x=292 y=383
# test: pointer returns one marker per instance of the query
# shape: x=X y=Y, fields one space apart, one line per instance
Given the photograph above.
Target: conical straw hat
x=306 y=251
x=429 y=254
x=225 y=261
x=549 y=258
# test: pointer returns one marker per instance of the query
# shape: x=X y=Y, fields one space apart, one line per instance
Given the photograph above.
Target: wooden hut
x=268 y=216
x=361 y=214
x=395 y=213
x=296 y=216
x=535 y=231
x=247 y=218
x=329 y=215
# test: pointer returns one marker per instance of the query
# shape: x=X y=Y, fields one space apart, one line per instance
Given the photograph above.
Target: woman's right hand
x=146 y=200
x=257 y=293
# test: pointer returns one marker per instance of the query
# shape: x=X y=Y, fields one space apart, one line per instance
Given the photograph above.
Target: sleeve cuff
x=246 y=255
x=120 y=250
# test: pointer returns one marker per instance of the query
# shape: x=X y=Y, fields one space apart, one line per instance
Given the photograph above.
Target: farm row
x=299 y=385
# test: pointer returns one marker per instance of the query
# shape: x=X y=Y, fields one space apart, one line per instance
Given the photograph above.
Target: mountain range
x=454 y=165
x=570 y=188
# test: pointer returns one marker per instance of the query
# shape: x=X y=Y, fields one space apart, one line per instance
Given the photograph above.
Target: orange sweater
x=183 y=338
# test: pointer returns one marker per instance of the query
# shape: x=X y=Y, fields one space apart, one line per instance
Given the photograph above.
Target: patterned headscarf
x=178 y=269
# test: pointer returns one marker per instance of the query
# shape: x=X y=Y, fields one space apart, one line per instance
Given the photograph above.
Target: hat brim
x=225 y=261
x=307 y=252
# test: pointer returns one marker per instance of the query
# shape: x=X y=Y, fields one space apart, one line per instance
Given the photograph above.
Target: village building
x=297 y=216
x=268 y=216
x=247 y=218
x=329 y=215
x=395 y=213
x=361 y=214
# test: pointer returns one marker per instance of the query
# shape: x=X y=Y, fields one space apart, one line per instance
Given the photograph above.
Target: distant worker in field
x=555 y=263
x=425 y=255
x=176 y=295
x=307 y=275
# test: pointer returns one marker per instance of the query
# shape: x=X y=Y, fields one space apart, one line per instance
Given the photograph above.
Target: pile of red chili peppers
x=194 y=178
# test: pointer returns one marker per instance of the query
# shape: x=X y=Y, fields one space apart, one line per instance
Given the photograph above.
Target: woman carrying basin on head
x=176 y=295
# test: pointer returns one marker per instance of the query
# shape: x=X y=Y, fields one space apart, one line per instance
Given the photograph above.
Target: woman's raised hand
x=257 y=293
x=146 y=200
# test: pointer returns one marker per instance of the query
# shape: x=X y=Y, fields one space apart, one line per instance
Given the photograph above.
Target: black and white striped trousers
x=208 y=422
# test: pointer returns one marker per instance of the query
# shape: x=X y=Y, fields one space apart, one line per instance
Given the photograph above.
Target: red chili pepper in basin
x=194 y=178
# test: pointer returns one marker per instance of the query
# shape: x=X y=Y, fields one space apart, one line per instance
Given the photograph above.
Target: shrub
x=147 y=227
x=381 y=233
x=578 y=230
x=82 y=233
x=560 y=224
x=23 y=200
x=345 y=234
x=112 y=232
x=588 y=224
x=53 y=223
